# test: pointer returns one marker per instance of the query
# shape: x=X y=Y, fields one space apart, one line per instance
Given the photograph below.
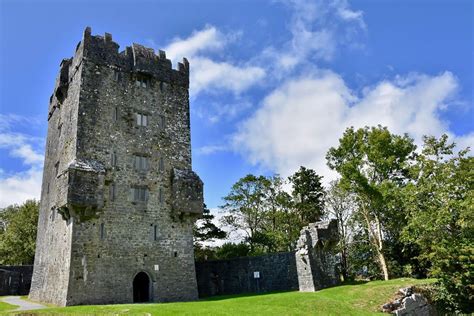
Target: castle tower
x=119 y=198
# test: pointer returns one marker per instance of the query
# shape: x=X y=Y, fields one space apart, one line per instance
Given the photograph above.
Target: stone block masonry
x=119 y=197
x=272 y=272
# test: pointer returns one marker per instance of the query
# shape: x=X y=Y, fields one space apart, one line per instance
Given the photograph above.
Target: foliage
x=308 y=195
x=356 y=299
x=205 y=229
x=18 y=233
x=341 y=205
x=440 y=206
x=373 y=164
x=231 y=250
x=246 y=207
x=269 y=216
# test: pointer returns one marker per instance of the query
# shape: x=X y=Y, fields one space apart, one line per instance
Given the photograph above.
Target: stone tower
x=119 y=198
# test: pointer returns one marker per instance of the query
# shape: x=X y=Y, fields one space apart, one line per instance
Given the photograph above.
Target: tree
x=341 y=205
x=440 y=205
x=205 y=230
x=373 y=164
x=246 y=206
x=308 y=195
x=18 y=233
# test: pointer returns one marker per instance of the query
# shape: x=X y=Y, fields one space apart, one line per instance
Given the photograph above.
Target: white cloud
x=210 y=75
x=18 y=186
x=207 y=39
x=211 y=149
x=318 y=29
x=300 y=120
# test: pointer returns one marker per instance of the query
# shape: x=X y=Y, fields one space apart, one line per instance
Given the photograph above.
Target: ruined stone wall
x=277 y=272
x=15 y=280
x=316 y=261
x=108 y=235
x=312 y=267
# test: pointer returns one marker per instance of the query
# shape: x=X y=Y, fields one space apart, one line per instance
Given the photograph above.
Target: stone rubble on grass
x=409 y=303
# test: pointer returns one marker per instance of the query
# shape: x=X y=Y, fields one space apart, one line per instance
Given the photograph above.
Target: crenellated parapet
x=103 y=50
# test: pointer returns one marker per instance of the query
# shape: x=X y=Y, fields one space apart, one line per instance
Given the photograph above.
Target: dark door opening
x=141 y=288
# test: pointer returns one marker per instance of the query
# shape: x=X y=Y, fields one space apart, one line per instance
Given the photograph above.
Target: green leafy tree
x=246 y=207
x=440 y=205
x=205 y=230
x=308 y=195
x=341 y=205
x=373 y=164
x=18 y=226
x=282 y=229
x=230 y=250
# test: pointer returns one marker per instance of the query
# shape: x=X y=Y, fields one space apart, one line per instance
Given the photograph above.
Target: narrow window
x=175 y=254
x=140 y=194
x=141 y=119
x=162 y=164
x=160 y=195
x=141 y=163
x=102 y=231
x=116 y=75
x=115 y=114
x=161 y=86
x=112 y=192
x=56 y=168
x=60 y=126
x=155 y=232
x=162 y=122
x=113 y=159
x=47 y=188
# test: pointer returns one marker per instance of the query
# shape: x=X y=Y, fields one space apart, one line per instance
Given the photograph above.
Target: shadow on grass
x=230 y=296
x=354 y=282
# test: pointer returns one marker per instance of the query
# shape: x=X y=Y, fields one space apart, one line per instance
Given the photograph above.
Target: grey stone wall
x=316 y=261
x=312 y=267
x=94 y=235
x=15 y=280
x=221 y=277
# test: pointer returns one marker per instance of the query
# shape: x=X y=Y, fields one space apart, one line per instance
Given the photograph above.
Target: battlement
x=135 y=58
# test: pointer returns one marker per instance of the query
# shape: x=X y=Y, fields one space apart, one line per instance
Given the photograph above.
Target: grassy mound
x=353 y=299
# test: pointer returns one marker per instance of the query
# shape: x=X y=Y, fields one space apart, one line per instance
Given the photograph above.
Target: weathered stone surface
x=105 y=217
x=277 y=272
x=315 y=258
x=410 y=304
x=187 y=192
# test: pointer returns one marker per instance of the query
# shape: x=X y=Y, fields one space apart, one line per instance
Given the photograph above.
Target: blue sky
x=273 y=83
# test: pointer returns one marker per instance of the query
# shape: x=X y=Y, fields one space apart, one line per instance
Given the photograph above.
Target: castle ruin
x=119 y=197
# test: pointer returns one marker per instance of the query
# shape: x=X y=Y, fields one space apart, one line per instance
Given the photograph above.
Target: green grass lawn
x=356 y=299
x=6 y=307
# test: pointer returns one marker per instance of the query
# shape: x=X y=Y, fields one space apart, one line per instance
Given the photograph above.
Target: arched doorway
x=141 y=288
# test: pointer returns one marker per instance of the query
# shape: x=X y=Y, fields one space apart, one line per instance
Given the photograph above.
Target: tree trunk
x=383 y=265
x=376 y=239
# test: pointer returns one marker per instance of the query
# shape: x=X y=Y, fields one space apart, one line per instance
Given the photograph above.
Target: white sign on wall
x=256 y=275
x=157 y=267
